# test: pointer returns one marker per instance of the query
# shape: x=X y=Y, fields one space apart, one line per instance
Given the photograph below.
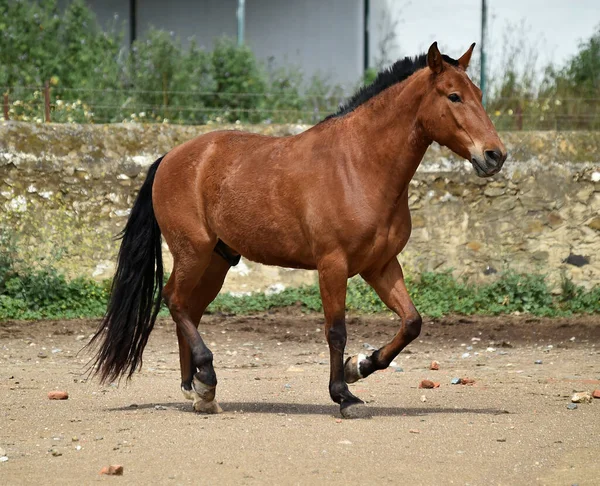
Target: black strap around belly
x=227 y=253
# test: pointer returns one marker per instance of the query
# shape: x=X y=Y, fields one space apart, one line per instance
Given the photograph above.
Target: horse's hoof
x=352 y=368
x=205 y=392
x=212 y=407
x=356 y=410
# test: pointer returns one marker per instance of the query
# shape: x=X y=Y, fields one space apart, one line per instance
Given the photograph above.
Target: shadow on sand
x=309 y=409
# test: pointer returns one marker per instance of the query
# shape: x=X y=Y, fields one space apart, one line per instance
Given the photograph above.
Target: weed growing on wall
x=43 y=292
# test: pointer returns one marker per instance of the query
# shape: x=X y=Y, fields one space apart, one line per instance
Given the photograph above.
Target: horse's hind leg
x=389 y=285
x=191 y=259
x=204 y=293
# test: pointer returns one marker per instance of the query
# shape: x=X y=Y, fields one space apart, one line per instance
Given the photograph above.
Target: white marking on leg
x=188 y=394
x=359 y=359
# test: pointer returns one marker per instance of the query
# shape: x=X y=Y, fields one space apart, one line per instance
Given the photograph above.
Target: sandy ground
x=279 y=427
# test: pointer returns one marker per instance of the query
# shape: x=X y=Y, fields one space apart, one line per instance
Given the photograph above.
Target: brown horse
x=334 y=199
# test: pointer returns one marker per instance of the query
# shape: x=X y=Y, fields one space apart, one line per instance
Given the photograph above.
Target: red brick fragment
x=434 y=366
x=428 y=384
x=467 y=381
x=115 y=470
x=596 y=394
x=58 y=395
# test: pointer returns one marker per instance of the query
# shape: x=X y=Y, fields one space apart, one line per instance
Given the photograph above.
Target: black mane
x=394 y=74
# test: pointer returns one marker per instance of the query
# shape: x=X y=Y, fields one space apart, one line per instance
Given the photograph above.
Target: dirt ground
x=279 y=426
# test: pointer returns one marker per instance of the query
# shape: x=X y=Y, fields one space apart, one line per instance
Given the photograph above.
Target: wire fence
x=82 y=105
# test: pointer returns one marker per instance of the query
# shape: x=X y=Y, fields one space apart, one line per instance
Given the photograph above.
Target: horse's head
x=452 y=114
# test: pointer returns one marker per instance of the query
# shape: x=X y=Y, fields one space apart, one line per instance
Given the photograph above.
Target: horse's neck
x=392 y=141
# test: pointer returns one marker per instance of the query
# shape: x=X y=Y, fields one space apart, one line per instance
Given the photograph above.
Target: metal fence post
x=519 y=113
x=47 y=102
x=6 y=117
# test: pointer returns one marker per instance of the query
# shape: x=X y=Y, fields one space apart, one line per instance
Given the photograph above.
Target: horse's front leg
x=333 y=280
x=388 y=282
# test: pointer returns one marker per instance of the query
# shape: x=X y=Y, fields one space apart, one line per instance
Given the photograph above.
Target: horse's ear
x=434 y=59
x=464 y=60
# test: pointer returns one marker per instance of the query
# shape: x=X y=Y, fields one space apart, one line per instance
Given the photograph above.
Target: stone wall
x=66 y=190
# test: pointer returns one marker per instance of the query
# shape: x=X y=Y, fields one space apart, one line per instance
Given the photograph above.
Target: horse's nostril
x=494 y=155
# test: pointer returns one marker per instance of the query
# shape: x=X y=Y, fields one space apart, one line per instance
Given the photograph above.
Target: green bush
x=239 y=83
x=307 y=298
x=8 y=258
x=47 y=294
x=438 y=294
x=43 y=293
x=39 y=42
x=37 y=293
x=159 y=71
x=285 y=95
x=93 y=79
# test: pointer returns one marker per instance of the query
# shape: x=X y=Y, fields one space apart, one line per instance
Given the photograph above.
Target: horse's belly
x=268 y=243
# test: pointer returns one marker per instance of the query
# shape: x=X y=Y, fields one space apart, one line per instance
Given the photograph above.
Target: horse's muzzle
x=490 y=164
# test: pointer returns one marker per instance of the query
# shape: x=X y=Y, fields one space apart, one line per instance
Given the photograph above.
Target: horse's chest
x=390 y=245
x=378 y=247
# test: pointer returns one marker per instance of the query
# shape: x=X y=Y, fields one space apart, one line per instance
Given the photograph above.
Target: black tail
x=136 y=292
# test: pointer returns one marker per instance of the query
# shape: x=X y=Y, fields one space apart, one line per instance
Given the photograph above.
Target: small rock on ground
x=115 y=470
x=583 y=397
x=58 y=395
x=462 y=381
x=428 y=384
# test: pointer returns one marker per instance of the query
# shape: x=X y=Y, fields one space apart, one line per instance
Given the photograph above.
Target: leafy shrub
x=44 y=293
x=306 y=297
x=159 y=70
x=285 y=95
x=47 y=294
x=28 y=293
x=239 y=82
x=94 y=79
x=8 y=258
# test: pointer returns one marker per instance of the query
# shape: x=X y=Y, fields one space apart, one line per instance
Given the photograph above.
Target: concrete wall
x=321 y=37
x=204 y=20
x=65 y=191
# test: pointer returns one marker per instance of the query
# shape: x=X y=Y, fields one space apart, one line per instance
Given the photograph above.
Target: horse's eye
x=454 y=98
